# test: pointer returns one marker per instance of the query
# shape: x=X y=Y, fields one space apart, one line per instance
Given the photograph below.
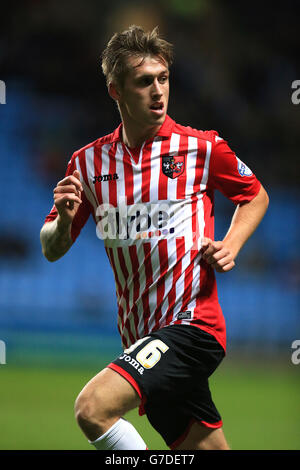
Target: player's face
x=144 y=95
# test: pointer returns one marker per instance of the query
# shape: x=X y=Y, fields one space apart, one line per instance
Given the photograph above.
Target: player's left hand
x=217 y=255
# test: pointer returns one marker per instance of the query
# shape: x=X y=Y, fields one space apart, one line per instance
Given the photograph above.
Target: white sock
x=121 y=436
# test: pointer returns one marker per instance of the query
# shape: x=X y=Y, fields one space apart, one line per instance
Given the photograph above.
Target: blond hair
x=133 y=42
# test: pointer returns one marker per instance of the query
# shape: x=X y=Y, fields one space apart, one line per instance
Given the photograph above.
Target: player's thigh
x=109 y=394
x=204 y=438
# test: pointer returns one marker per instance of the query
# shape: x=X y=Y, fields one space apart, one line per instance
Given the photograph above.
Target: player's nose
x=156 y=89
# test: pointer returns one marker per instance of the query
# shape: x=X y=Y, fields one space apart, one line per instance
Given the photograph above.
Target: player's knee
x=90 y=411
x=84 y=410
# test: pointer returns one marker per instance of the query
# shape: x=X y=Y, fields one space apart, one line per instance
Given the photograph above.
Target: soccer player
x=149 y=186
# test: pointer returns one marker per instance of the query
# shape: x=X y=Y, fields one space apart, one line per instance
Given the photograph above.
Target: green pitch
x=259 y=404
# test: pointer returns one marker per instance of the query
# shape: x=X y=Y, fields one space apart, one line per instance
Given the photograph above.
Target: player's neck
x=134 y=133
x=134 y=138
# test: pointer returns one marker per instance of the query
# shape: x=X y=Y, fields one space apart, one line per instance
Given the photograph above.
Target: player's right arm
x=55 y=236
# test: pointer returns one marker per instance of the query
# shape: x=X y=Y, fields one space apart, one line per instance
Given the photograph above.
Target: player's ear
x=113 y=91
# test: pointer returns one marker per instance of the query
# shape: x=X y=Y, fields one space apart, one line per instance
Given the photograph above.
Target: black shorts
x=169 y=369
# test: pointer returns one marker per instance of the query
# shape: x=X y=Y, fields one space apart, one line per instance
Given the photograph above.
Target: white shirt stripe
x=206 y=166
x=172 y=183
x=155 y=169
x=87 y=190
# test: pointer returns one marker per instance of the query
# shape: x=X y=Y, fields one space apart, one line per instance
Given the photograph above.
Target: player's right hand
x=67 y=197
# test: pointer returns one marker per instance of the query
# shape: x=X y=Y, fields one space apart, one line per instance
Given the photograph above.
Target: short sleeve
x=231 y=176
x=84 y=210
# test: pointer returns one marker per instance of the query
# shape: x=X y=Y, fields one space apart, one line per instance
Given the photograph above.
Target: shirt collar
x=164 y=131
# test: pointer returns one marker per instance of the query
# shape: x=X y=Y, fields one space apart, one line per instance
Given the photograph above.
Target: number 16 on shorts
x=148 y=356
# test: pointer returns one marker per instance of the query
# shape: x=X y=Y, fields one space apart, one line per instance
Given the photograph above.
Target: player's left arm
x=221 y=255
x=229 y=175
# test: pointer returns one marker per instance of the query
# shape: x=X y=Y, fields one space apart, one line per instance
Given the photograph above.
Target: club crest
x=173 y=166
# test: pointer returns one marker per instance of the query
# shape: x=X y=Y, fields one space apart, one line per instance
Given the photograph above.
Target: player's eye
x=163 y=79
x=145 y=81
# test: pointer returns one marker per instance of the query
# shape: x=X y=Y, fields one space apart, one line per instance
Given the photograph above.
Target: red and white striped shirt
x=152 y=206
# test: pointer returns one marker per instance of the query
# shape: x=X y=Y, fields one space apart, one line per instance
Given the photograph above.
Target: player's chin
x=157 y=120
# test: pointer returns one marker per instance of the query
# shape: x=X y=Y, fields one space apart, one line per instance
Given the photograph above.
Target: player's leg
x=99 y=409
x=175 y=384
x=203 y=438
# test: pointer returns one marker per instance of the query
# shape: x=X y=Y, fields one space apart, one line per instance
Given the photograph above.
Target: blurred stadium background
x=234 y=66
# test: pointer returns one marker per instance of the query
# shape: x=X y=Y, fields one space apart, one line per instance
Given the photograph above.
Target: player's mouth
x=157 y=108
